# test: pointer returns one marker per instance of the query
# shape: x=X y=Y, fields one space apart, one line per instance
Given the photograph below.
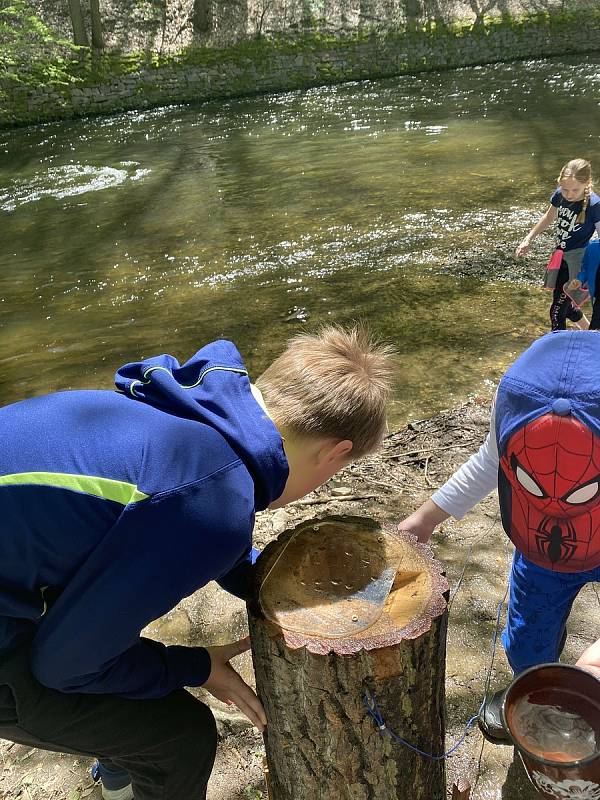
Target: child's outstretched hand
x=523 y=247
x=423 y=521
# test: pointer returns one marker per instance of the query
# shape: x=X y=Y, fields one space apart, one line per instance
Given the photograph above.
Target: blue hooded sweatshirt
x=115 y=506
x=589 y=267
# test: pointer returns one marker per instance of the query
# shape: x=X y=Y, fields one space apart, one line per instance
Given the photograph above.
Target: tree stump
x=334 y=576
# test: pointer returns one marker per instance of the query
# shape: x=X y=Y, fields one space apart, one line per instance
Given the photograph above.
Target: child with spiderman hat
x=543 y=454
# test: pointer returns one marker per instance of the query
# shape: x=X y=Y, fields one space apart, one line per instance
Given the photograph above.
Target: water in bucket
x=552 y=713
x=552 y=731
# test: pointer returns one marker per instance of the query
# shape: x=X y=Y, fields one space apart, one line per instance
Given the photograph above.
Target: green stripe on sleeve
x=106 y=488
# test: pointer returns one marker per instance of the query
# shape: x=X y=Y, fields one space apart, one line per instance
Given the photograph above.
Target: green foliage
x=30 y=54
x=252 y=794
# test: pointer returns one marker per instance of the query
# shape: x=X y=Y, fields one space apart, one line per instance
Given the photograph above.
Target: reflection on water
x=157 y=231
x=553 y=732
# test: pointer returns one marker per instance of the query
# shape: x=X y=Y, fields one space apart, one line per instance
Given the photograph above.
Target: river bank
x=104 y=83
x=476 y=554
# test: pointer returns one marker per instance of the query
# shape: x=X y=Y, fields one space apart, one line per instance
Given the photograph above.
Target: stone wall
x=268 y=66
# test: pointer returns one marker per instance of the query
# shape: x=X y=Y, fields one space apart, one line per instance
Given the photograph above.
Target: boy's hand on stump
x=226 y=685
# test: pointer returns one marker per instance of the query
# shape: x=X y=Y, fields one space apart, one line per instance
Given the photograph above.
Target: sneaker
x=490 y=719
x=126 y=793
x=115 y=785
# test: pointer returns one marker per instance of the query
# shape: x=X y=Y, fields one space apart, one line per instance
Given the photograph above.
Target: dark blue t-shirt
x=569 y=234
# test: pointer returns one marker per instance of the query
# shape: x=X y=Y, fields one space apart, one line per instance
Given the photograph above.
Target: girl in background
x=575 y=208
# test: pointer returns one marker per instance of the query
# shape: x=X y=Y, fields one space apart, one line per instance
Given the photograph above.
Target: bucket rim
x=535 y=756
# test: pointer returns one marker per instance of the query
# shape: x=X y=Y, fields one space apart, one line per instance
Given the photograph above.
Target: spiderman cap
x=548 y=426
x=560 y=374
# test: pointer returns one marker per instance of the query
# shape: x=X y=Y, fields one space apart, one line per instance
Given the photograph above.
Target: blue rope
x=370 y=703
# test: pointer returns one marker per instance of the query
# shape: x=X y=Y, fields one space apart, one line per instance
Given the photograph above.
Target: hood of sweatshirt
x=558 y=374
x=213 y=388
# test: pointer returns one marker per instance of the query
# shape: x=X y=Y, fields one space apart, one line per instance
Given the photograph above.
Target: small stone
x=341 y=491
x=280 y=521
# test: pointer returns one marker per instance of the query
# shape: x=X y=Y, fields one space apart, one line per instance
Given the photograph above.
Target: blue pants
x=539 y=603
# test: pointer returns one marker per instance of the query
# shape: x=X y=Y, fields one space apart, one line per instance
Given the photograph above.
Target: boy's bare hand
x=226 y=685
x=523 y=248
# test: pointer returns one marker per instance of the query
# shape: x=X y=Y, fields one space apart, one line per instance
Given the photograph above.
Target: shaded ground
x=476 y=554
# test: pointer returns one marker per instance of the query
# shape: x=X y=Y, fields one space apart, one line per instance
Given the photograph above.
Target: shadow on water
x=256 y=218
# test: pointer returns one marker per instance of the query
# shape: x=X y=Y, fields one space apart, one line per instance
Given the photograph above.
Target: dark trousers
x=562 y=308
x=167 y=745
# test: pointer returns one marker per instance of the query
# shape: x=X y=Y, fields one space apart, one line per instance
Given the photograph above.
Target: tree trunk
x=79 y=33
x=202 y=17
x=321 y=743
x=412 y=13
x=97 y=38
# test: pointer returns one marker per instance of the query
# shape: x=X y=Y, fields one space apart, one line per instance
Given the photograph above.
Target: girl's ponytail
x=586 y=202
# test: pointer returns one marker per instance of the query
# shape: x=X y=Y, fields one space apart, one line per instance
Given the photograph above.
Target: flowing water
x=157 y=231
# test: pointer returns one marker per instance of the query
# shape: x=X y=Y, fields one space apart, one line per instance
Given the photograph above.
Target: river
x=397 y=202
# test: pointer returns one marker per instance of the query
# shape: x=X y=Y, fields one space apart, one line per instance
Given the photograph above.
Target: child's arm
x=469 y=484
x=545 y=222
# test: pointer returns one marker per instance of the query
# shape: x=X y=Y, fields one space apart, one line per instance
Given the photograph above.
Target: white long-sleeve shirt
x=474 y=480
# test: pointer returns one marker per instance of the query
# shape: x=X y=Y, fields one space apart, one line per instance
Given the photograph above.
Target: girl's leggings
x=562 y=308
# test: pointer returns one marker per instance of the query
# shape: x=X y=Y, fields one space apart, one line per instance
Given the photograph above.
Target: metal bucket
x=552 y=714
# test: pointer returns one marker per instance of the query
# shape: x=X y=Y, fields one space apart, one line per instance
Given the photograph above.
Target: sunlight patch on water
x=67 y=181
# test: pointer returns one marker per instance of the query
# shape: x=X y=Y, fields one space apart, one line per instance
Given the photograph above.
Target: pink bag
x=552 y=267
x=555 y=260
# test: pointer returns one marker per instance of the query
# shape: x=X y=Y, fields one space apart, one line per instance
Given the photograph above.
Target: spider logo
x=555 y=542
x=549 y=488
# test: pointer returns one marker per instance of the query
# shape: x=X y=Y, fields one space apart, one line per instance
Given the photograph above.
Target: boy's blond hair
x=335 y=383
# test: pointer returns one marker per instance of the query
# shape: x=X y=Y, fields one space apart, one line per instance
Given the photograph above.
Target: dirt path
x=476 y=553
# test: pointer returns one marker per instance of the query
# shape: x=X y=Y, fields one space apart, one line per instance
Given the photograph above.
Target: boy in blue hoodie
x=116 y=505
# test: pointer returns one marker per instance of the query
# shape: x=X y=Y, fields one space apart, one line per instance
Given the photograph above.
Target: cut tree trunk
x=321 y=743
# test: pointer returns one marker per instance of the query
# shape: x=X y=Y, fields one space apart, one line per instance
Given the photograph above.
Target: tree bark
x=97 y=37
x=202 y=17
x=412 y=12
x=320 y=741
x=80 y=37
